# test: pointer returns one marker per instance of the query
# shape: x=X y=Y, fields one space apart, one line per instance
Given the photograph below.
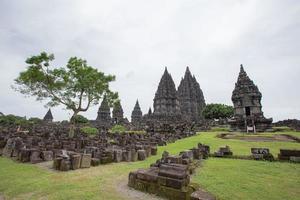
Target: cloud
x=136 y=39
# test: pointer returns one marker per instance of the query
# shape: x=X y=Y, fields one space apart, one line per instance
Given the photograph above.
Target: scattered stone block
x=86 y=161
x=75 y=161
x=95 y=162
x=65 y=165
x=47 y=155
x=141 y=154
x=35 y=156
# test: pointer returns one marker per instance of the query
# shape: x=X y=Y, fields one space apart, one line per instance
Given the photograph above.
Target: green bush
x=89 y=130
x=13 y=120
x=79 y=119
x=118 y=129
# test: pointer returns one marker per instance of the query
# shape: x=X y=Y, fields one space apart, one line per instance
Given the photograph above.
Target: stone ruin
x=292 y=123
x=50 y=141
x=223 y=152
x=289 y=155
x=169 y=177
x=262 y=154
x=248 y=113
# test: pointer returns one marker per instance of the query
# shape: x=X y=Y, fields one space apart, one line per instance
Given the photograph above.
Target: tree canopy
x=76 y=86
x=217 y=111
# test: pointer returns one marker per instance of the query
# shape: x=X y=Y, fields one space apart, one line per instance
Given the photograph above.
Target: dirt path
x=2 y=197
x=130 y=193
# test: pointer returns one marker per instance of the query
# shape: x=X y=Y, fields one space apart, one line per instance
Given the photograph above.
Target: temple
x=191 y=99
x=246 y=99
x=103 y=117
x=136 y=115
x=165 y=103
x=48 y=117
x=117 y=113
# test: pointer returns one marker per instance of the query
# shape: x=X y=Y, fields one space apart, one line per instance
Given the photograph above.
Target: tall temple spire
x=104 y=112
x=165 y=100
x=48 y=117
x=190 y=97
x=136 y=115
x=118 y=113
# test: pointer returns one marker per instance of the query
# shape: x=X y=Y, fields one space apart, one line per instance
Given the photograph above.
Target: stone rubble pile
x=48 y=142
x=169 y=177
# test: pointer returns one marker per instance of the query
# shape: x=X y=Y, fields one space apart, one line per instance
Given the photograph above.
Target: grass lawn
x=226 y=178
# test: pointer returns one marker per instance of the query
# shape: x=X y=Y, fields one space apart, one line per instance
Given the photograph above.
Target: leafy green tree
x=76 y=86
x=217 y=111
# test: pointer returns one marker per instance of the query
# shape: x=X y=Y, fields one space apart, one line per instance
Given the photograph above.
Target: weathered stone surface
x=35 y=156
x=86 y=161
x=134 y=155
x=75 y=161
x=65 y=165
x=95 y=162
x=24 y=155
x=141 y=154
x=47 y=155
x=154 y=150
x=202 y=195
x=118 y=155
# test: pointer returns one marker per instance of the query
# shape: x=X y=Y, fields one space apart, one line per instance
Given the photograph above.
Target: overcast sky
x=136 y=39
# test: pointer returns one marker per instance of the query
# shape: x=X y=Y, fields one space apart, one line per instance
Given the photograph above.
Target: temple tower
x=191 y=99
x=246 y=99
x=166 y=104
x=118 y=113
x=136 y=115
x=103 y=116
x=48 y=117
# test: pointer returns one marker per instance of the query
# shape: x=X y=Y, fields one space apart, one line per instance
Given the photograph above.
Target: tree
x=217 y=111
x=76 y=86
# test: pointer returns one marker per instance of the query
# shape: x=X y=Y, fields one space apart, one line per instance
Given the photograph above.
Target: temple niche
x=246 y=99
x=166 y=103
x=191 y=99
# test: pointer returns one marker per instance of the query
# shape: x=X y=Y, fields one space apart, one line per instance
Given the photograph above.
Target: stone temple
x=183 y=105
x=166 y=103
x=246 y=99
x=191 y=99
x=103 y=117
x=48 y=117
x=136 y=115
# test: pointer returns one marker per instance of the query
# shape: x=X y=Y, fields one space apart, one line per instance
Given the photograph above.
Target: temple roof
x=104 y=107
x=137 y=110
x=48 y=116
x=244 y=85
x=166 y=87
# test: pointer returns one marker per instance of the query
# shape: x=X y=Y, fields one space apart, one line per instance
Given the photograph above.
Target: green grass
x=227 y=178
x=249 y=180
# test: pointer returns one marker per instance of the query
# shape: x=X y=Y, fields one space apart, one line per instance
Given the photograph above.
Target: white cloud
x=135 y=40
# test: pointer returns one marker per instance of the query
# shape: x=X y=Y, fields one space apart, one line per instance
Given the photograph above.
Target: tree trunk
x=72 y=125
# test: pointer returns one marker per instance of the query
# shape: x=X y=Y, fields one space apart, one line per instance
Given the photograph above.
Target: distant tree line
x=217 y=111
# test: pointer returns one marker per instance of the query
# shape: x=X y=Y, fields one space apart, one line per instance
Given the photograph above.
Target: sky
x=136 y=39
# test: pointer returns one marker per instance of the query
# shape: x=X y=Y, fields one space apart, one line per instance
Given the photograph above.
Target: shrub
x=89 y=130
x=118 y=128
x=79 y=119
